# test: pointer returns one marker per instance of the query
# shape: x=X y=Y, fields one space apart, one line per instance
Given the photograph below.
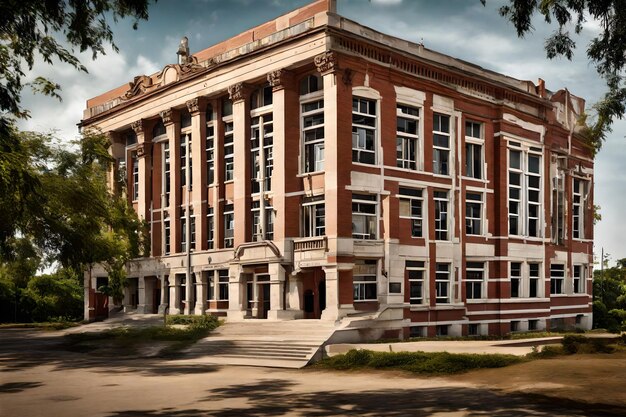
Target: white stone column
x=189 y=301
x=174 y=291
x=164 y=297
x=141 y=293
x=87 y=285
x=236 y=301
x=277 y=285
x=331 y=312
x=144 y=159
x=295 y=297
x=201 y=293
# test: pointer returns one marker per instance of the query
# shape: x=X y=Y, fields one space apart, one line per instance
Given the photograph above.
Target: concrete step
x=289 y=344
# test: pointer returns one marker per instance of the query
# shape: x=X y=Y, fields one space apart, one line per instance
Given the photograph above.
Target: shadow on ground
x=23 y=349
x=275 y=398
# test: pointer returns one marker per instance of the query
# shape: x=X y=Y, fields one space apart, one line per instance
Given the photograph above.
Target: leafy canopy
x=607 y=51
x=30 y=28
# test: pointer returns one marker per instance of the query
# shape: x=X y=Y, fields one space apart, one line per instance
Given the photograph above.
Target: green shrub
x=571 y=343
x=418 y=362
x=204 y=321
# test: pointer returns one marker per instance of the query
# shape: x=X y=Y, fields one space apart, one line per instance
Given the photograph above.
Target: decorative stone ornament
x=137 y=126
x=166 y=116
x=143 y=149
x=279 y=78
x=326 y=62
x=193 y=105
x=237 y=92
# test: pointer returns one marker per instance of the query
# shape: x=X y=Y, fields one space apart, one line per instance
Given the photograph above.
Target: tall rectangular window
x=442 y=283
x=534 y=280
x=364 y=216
x=407 y=136
x=166 y=174
x=183 y=232
x=473 y=150
x=222 y=285
x=210 y=154
x=364 y=280
x=558 y=201
x=441 y=144
x=210 y=228
x=313 y=135
x=557 y=279
x=192 y=230
x=257 y=232
x=135 y=162
x=579 y=272
x=441 y=215
x=516 y=279
x=474 y=278
x=261 y=152
x=578 y=204
x=363 y=130
x=473 y=213
x=525 y=192
x=166 y=236
x=229 y=226
x=185 y=157
x=411 y=207
x=229 y=152
x=269 y=223
x=314 y=216
x=415 y=271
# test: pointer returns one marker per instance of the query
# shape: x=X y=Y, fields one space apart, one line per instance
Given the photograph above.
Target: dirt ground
x=38 y=379
x=598 y=378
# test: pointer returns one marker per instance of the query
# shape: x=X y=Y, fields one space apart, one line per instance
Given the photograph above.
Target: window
x=524 y=192
x=269 y=223
x=364 y=280
x=210 y=228
x=310 y=84
x=210 y=153
x=579 y=279
x=443 y=330
x=578 y=205
x=441 y=215
x=314 y=216
x=533 y=274
x=313 y=135
x=222 y=285
x=363 y=130
x=411 y=207
x=473 y=213
x=441 y=144
x=229 y=226
x=135 y=162
x=364 y=216
x=473 y=329
x=557 y=277
x=533 y=325
x=395 y=288
x=514 y=325
x=558 y=201
x=442 y=283
x=183 y=231
x=516 y=279
x=417 y=331
x=262 y=97
x=229 y=152
x=192 y=230
x=415 y=271
x=473 y=150
x=261 y=152
x=407 y=136
x=166 y=174
x=185 y=150
x=262 y=229
x=474 y=277
x=166 y=234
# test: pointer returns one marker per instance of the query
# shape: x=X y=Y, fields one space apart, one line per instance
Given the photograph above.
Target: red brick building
x=314 y=168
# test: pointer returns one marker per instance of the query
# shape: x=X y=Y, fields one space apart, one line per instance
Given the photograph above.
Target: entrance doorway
x=258 y=295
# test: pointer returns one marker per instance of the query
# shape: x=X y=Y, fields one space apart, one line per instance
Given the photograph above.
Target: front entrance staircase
x=281 y=344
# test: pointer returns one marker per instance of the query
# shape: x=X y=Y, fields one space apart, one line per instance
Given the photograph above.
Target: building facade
x=314 y=168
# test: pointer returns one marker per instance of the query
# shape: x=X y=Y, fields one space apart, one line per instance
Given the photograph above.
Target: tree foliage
x=607 y=50
x=53 y=30
x=609 y=289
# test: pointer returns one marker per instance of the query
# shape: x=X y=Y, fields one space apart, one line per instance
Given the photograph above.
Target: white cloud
x=387 y=2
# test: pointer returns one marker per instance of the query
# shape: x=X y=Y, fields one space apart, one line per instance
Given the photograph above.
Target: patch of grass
x=511 y=336
x=51 y=325
x=128 y=340
x=427 y=363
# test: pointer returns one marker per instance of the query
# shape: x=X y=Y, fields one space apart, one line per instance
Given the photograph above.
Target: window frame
x=311 y=147
x=229 y=149
x=439 y=221
x=229 y=220
x=479 y=219
x=364 y=199
x=358 y=151
x=579 y=202
x=310 y=213
x=443 y=283
x=415 y=201
x=472 y=141
x=475 y=286
x=557 y=282
x=420 y=274
x=439 y=150
x=405 y=138
x=364 y=279
x=524 y=202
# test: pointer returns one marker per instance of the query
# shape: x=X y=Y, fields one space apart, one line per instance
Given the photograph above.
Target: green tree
x=609 y=290
x=607 y=51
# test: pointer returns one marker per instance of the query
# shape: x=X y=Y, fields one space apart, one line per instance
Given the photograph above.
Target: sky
x=460 y=28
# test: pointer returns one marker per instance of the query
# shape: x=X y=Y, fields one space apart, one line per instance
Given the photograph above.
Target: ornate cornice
x=279 y=78
x=138 y=126
x=326 y=62
x=166 y=116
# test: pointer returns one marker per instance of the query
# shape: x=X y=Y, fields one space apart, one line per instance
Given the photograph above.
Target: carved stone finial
x=193 y=105
x=237 y=92
x=277 y=79
x=166 y=116
x=326 y=62
x=137 y=126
